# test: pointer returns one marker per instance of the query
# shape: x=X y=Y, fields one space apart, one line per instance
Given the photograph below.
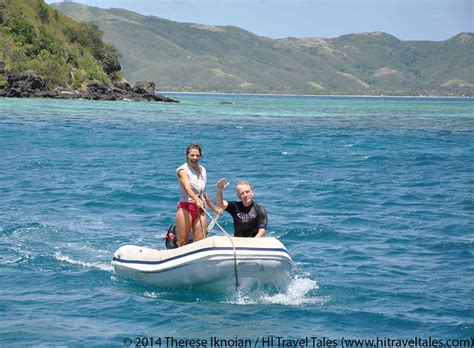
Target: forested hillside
x=35 y=37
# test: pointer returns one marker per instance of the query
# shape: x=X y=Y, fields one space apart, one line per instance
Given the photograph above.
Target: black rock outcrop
x=29 y=84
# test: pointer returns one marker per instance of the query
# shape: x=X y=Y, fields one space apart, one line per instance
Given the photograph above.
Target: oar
x=212 y=223
x=214 y=219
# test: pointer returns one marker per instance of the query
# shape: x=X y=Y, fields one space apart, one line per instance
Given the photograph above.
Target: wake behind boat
x=218 y=261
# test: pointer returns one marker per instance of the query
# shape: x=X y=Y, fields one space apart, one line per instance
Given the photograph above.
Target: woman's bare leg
x=183 y=226
x=199 y=227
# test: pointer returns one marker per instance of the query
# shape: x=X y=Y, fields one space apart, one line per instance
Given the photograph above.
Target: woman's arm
x=211 y=205
x=184 y=181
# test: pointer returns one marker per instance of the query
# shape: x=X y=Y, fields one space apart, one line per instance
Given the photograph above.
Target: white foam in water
x=150 y=294
x=89 y=248
x=85 y=264
x=295 y=295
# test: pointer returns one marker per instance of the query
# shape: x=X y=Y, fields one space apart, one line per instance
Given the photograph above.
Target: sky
x=433 y=20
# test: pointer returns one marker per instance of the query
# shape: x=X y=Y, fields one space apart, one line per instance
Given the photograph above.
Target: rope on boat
x=237 y=285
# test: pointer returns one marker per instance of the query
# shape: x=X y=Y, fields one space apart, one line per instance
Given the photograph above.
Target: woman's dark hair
x=193 y=146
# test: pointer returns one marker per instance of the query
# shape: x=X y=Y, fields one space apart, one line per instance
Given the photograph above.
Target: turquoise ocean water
x=373 y=197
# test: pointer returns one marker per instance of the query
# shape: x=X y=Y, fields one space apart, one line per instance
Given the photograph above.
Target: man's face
x=245 y=194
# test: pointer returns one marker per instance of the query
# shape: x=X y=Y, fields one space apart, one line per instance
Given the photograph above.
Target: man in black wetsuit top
x=250 y=218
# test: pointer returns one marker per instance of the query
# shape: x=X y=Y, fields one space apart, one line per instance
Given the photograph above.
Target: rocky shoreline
x=30 y=85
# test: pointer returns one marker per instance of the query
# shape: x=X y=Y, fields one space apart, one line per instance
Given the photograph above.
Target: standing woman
x=190 y=214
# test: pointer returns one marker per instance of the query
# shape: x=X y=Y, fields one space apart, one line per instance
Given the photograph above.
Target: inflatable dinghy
x=219 y=261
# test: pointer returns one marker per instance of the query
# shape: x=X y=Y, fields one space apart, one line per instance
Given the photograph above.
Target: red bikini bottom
x=191 y=208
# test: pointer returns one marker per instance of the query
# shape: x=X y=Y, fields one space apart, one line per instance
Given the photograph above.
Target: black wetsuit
x=247 y=220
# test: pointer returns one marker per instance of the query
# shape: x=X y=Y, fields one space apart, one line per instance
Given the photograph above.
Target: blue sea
x=373 y=198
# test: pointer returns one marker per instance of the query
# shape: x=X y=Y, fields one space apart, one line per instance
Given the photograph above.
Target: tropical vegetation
x=36 y=37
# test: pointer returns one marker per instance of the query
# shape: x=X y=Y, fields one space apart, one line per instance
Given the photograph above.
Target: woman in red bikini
x=190 y=214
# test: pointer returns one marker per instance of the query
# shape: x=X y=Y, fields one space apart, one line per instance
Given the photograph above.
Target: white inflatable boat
x=217 y=262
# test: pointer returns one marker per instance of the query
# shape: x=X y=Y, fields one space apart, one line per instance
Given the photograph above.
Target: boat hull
x=257 y=261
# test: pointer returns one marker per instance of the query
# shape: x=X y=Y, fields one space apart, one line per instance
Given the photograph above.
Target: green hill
x=195 y=57
x=203 y=58
x=37 y=37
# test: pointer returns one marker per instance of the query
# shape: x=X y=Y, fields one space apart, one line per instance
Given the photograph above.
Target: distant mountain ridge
x=204 y=58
